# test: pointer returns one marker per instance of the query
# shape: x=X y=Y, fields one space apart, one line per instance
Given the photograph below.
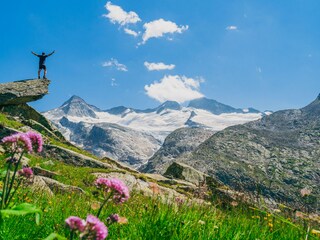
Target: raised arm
x=51 y=53
x=34 y=54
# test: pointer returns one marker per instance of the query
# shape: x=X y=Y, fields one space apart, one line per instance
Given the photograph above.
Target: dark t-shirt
x=42 y=59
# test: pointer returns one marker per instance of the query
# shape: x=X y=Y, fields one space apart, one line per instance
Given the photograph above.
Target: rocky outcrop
x=73 y=158
x=180 y=142
x=43 y=172
x=58 y=187
x=19 y=92
x=184 y=172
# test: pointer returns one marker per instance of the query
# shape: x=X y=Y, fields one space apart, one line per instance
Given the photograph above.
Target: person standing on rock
x=42 y=61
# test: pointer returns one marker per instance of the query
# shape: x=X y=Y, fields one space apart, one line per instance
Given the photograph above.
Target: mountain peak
x=76 y=106
x=168 y=105
x=74 y=99
x=212 y=106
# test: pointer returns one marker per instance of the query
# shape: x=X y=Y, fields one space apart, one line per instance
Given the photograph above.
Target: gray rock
x=184 y=172
x=178 y=143
x=40 y=186
x=19 y=92
x=58 y=187
x=72 y=158
x=43 y=172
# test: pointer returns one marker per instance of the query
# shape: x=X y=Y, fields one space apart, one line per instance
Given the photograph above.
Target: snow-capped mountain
x=132 y=135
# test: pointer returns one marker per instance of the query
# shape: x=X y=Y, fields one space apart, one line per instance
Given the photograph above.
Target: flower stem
x=103 y=204
x=5 y=184
x=13 y=177
x=6 y=180
x=14 y=192
x=71 y=235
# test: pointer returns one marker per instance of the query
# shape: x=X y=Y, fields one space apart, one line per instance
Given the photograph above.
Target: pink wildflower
x=113 y=218
x=36 y=139
x=76 y=223
x=117 y=187
x=17 y=140
x=91 y=228
x=95 y=228
x=25 y=172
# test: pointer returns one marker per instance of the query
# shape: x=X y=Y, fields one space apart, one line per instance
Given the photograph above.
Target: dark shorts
x=42 y=67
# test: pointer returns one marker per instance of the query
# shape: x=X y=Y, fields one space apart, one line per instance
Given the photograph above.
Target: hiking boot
x=38 y=77
x=44 y=77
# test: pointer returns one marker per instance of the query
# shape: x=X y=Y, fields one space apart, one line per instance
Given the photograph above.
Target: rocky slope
x=180 y=142
x=133 y=136
x=276 y=156
x=111 y=140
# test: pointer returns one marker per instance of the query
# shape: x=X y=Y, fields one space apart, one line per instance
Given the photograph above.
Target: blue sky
x=263 y=54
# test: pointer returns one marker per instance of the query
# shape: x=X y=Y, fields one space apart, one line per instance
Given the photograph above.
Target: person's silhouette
x=42 y=61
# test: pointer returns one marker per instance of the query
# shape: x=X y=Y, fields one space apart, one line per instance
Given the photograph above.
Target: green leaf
x=53 y=236
x=22 y=209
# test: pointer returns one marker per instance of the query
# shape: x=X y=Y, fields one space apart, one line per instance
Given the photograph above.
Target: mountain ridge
x=154 y=123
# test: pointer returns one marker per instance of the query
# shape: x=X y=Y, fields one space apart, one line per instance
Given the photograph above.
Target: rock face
x=184 y=172
x=180 y=142
x=275 y=157
x=19 y=92
x=70 y=157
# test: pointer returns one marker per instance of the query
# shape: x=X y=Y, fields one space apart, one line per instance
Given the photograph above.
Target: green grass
x=9 y=122
x=148 y=219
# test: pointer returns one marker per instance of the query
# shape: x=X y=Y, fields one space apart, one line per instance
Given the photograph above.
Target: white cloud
x=118 y=15
x=174 y=88
x=232 y=28
x=113 y=82
x=158 y=66
x=131 y=32
x=114 y=63
x=160 y=27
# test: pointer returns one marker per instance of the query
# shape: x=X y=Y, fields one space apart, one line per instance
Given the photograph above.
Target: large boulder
x=72 y=158
x=24 y=91
x=184 y=172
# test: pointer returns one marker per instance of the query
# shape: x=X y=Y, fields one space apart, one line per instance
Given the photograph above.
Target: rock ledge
x=24 y=91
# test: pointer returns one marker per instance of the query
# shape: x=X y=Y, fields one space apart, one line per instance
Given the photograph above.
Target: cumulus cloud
x=114 y=63
x=158 y=66
x=232 y=28
x=131 y=32
x=118 y=15
x=174 y=88
x=158 y=28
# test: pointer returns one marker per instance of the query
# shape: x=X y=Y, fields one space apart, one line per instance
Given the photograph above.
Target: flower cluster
x=25 y=141
x=76 y=223
x=91 y=228
x=36 y=139
x=18 y=141
x=26 y=172
x=117 y=187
